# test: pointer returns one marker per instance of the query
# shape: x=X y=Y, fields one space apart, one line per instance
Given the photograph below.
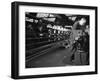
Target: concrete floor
x=57 y=57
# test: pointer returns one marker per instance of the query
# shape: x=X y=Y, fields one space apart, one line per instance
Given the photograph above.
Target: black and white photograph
x=54 y=40
x=51 y=40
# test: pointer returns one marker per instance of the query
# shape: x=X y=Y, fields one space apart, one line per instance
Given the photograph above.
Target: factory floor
x=58 y=57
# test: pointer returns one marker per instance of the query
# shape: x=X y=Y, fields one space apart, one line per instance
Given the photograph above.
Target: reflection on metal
x=28 y=19
x=39 y=15
x=50 y=19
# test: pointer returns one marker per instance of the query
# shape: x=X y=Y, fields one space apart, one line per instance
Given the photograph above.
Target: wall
x=5 y=40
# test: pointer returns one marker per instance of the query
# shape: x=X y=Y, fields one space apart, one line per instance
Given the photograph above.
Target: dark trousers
x=73 y=50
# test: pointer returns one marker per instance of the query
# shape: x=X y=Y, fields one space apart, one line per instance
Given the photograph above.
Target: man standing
x=77 y=30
